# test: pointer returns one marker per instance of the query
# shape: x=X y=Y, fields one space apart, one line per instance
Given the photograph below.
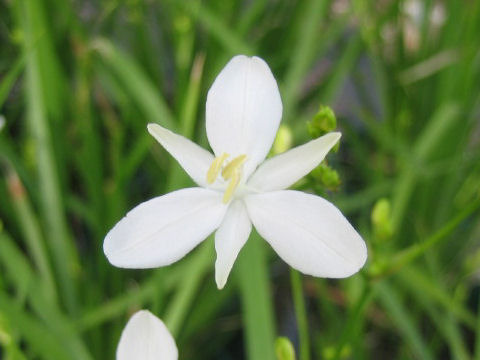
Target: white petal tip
x=154 y=128
x=220 y=284
x=337 y=134
x=333 y=136
x=112 y=252
x=220 y=276
x=356 y=264
x=146 y=337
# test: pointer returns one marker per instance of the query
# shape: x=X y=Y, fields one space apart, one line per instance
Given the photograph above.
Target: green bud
x=473 y=262
x=283 y=140
x=5 y=338
x=17 y=36
x=323 y=122
x=330 y=352
x=327 y=176
x=182 y=24
x=377 y=269
x=381 y=219
x=284 y=349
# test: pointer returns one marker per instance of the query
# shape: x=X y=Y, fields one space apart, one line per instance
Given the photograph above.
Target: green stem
x=300 y=313
x=417 y=250
x=257 y=309
x=354 y=320
x=477 y=340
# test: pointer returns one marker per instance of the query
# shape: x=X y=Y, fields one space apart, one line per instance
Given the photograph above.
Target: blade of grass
x=9 y=340
x=402 y=319
x=445 y=323
x=144 y=293
x=136 y=83
x=427 y=286
x=414 y=251
x=187 y=288
x=42 y=341
x=216 y=27
x=439 y=125
x=60 y=242
x=19 y=271
x=304 y=52
x=176 y=177
x=342 y=68
x=10 y=78
x=32 y=234
x=477 y=334
x=354 y=319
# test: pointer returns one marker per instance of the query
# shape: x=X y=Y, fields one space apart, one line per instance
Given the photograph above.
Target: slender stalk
x=477 y=337
x=257 y=310
x=301 y=314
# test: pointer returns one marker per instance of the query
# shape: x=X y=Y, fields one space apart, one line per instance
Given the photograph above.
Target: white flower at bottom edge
x=145 y=337
x=238 y=188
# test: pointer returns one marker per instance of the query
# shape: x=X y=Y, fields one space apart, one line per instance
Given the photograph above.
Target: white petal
x=243 y=110
x=194 y=159
x=146 y=337
x=285 y=169
x=308 y=232
x=160 y=231
x=229 y=239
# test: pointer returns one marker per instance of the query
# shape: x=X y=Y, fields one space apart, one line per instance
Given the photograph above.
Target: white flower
x=146 y=337
x=238 y=188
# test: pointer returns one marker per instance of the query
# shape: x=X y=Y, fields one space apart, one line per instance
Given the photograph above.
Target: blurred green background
x=79 y=81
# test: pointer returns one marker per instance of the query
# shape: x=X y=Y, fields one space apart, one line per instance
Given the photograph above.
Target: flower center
x=231 y=172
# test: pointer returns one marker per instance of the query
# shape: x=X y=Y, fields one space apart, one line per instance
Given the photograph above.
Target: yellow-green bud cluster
x=327 y=176
x=323 y=122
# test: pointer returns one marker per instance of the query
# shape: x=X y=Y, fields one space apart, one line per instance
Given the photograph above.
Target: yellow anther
x=232 y=185
x=215 y=168
x=233 y=167
x=232 y=172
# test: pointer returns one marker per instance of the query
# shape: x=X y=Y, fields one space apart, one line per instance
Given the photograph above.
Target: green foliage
x=79 y=81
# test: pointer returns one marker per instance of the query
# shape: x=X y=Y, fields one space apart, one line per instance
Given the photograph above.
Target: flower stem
x=301 y=314
x=256 y=300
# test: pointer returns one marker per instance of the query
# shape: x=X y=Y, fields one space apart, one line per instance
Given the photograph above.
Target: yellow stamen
x=232 y=185
x=215 y=168
x=233 y=167
x=230 y=172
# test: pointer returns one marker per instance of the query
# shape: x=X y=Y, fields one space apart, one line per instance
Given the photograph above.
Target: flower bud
x=5 y=338
x=323 y=122
x=381 y=220
x=283 y=140
x=327 y=176
x=330 y=352
x=284 y=349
